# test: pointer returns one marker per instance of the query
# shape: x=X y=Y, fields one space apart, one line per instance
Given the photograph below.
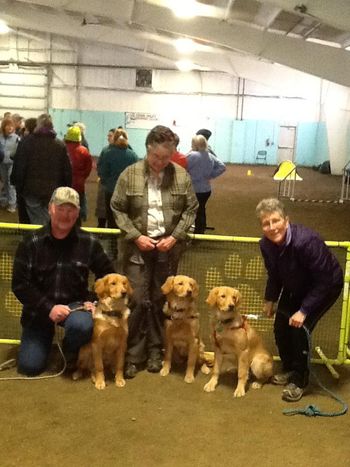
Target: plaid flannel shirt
x=130 y=201
x=47 y=271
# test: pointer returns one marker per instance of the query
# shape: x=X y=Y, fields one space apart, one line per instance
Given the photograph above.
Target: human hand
x=166 y=243
x=297 y=320
x=268 y=309
x=59 y=313
x=89 y=306
x=145 y=243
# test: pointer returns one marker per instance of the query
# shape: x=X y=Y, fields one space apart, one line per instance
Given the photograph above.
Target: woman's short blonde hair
x=199 y=143
x=268 y=206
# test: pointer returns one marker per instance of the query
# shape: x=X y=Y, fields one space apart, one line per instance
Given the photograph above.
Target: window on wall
x=144 y=78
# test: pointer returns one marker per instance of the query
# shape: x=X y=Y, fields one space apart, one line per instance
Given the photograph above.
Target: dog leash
x=312 y=410
x=11 y=363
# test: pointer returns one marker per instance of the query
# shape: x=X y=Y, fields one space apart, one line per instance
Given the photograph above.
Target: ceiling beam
x=326 y=62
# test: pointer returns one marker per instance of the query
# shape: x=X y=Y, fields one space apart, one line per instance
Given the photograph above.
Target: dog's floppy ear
x=238 y=297
x=195 y=289
x=168 y=285
x=100 y=286
x=211 y=300
x=129 y=289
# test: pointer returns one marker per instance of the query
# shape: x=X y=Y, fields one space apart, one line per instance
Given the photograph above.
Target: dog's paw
x=100 y=385
x=164 y=372
x=189 y=379
x=76 y=375
x=239 y=392
x=256 y=385
x=120 y=382
x=210 y=386
x=205 y=369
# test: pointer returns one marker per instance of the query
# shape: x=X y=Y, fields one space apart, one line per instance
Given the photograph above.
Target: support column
x=337 y=117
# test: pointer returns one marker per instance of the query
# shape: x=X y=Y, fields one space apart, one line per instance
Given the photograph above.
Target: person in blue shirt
x=202 y=167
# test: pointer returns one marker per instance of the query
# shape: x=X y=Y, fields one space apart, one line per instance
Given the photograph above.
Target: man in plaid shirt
x=154 y=205
x=50 y=273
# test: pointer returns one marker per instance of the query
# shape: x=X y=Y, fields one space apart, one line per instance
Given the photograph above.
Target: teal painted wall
x=234 y=141
x=97 y=125
x=238 y=141
x=312 y=144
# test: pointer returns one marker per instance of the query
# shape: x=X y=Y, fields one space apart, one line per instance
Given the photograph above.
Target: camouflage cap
x=65 y=194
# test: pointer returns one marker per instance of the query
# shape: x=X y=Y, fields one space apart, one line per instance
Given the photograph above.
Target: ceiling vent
x=144 y=78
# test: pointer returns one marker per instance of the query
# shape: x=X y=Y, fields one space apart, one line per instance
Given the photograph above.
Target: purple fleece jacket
x=303 y=266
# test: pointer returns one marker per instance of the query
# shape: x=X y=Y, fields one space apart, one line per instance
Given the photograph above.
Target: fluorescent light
x=323 y=42
x=185 y=46
x=185 y=65
x=183 y=8
x=4 y=29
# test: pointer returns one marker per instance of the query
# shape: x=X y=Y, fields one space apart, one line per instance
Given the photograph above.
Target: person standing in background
x=29 y=127
x=113 y=160
x=178 y=157
x=207 y=134
x=100 y=209
x=9 y=141
x=43 y=166
x=203 y=167
x=81 y=161
x=82 y=127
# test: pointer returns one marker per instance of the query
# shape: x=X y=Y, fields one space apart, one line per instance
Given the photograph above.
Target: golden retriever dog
x=109 y=339
x=182 y=325
x=235 y=340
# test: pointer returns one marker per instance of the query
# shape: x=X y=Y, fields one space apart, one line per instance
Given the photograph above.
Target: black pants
x=293 y=343
x=23 y=217
x=201 y=218
x=111 y=224
x=147 y=272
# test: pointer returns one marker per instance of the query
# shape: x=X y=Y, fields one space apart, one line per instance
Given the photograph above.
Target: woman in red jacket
x=81 y=161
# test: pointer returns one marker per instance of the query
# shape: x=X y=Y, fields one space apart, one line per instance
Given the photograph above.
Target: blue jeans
x=8 y=196
x=36 y=342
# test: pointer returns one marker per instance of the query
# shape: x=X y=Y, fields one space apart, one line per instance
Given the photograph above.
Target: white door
x=286 y=143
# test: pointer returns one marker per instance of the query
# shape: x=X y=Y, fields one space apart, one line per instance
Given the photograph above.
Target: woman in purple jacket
x=306 y=280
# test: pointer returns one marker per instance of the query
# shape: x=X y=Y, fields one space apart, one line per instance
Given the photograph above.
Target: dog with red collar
x=237 y=342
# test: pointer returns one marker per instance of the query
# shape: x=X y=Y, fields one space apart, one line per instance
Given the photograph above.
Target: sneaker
x=11 y=209
x=130 y=370
x=292 y=393
x=281 y=379
x=154 y=363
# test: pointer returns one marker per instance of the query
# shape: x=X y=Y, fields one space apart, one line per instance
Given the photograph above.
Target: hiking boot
x=292 y=393
x=130 y=370
x=281 y=379
x=154 y=363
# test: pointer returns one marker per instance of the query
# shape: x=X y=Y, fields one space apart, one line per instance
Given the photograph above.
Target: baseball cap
x=65 y=194
x=204 y=132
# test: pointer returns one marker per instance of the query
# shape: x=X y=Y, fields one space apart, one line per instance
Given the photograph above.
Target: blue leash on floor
x=312 y=410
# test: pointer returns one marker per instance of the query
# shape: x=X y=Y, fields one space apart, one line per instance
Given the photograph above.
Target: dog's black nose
x=189 y=293
x=231 y=308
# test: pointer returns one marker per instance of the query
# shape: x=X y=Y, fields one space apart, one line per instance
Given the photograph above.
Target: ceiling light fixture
x=185 y=65
x=185 y=46
x=184 y=8
x=4 y=29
